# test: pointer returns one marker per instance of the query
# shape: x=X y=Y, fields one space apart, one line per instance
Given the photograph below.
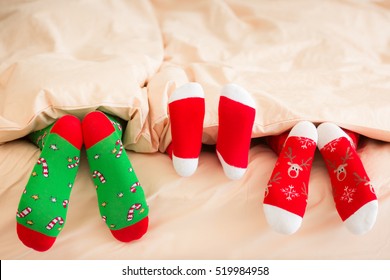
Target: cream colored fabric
x=312 y=60
x=205 y=216
x=72 y=58
x=300 y=60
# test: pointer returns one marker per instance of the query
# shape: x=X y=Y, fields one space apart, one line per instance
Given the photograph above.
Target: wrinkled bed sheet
x=300 y=60
x=206 y=216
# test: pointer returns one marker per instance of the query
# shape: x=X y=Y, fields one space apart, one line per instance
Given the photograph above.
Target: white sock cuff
x=305 y=129
x=327 y=132
x=238 y=94
x=232 y=172
x=188 y=90
x=185 y=167
x=363 y=219
x=280 y=220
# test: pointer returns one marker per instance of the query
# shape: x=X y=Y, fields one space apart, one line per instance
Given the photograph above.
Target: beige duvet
x=300 y=60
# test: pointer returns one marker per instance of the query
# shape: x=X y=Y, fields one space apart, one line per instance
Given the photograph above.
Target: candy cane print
x=45 y=168
x=117 y=124
x=119 y=142
x=24 y=212
x=130 y=214
x=75 y=164
x=65 y=203
x=133 y=187
x=99 y=175
x=53 y=222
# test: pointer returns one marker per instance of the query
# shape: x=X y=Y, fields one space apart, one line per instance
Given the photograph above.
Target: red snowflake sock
x=236 y=114
x=186 y=111
x=285 y=197
x=353 y=193
x=122 y=202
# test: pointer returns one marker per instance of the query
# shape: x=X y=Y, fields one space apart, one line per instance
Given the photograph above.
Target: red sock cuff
x=169 y=150
x=276 y=142
x=355 y=137
x=187 y=126
x=69 y=128
x=96 y=126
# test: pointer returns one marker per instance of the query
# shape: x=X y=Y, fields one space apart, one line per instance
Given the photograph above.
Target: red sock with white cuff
x=285 y=197
x=353 y=192
x=186 y=111
x=236 y=114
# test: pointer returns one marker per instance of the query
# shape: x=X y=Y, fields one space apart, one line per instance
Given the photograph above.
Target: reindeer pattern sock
x=286 y=195
x=43 y=207
x=353 y=193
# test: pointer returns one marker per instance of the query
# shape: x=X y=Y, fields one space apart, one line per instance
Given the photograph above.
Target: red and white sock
x=186 y=110
x=353 y=192
x=236 y=114
x=285 y=197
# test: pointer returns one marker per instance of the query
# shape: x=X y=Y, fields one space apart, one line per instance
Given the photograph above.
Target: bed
x=322 y=61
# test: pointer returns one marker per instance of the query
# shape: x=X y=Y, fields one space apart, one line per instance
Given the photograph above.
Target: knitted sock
x=353 y=192
x=121 y=199
x=186 y=110
x=236 y=114
x=285 y=197
x=42 y=209
x=276 y=142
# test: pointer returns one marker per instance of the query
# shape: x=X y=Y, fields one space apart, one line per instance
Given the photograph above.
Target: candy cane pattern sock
x=353 y=193
x=186 y=111
x=236 y=112
x=121 y=199
x=285 y=197
x=42 y=209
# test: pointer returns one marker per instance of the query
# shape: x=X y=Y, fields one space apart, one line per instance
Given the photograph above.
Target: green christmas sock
x=43 y=205
x=121 y=199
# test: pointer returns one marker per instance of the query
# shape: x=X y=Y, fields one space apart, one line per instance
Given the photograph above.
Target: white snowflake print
x=306 y=142
x=348 y=194
x=290 y=192
x=331 y=146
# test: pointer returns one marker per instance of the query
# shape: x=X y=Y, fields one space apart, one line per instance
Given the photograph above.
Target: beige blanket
x=300 y=60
